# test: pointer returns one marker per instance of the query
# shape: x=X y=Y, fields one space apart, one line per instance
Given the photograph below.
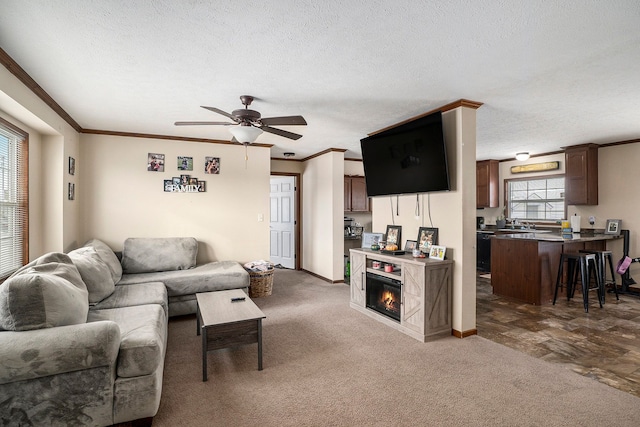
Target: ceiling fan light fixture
x=522 y=156
x=245 y=134
x=289 y=154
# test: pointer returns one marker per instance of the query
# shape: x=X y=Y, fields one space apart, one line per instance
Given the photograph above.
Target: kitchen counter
x=524 y=266
x=547 y=236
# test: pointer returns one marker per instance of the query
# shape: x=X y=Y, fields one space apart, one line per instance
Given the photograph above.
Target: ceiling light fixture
x=245 y=133
x=287 y=155
x=522 y=156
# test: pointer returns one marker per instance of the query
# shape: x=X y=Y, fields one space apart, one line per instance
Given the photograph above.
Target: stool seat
x=585 y=264
x=604 y=257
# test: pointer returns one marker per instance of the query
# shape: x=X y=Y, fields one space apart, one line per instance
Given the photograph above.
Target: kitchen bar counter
x=524 y=266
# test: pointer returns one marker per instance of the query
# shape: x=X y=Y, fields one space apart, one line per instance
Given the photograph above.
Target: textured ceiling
x=549 y=73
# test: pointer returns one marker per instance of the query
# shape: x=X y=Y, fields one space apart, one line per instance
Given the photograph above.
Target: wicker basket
x=261 y=283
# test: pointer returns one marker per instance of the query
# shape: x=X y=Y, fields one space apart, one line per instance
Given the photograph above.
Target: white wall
x=121 y=199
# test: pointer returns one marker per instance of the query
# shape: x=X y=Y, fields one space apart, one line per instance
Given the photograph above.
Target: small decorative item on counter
x=416 y=253
x=375 y=247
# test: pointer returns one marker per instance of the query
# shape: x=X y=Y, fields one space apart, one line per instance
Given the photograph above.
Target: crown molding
x=26 y=79
x=459 y=103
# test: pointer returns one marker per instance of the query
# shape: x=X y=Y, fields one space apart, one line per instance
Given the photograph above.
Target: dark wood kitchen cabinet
x=581 y=174
x=355 y=194
x=487 y=184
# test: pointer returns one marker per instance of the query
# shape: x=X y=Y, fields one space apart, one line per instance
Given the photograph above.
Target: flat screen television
x=411 y=158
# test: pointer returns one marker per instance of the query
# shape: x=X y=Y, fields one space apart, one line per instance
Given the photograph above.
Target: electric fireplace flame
x=389 y=301
x=384 y=295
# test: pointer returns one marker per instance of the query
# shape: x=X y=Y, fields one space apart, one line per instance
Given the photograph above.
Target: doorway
x=284 y=235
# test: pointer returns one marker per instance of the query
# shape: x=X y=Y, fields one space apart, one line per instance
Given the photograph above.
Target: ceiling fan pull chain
x=246 y=156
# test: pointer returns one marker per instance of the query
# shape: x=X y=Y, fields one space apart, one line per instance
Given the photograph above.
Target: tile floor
x=603 y=344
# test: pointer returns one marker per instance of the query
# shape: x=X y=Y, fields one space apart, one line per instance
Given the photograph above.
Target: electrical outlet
x=260 y=217
x=592 y=220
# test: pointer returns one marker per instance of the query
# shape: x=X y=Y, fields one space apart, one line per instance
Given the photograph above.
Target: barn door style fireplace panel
x=384 y=295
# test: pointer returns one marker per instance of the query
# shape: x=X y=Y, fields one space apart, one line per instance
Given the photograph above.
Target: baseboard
x=464 y=334
x=321 y=277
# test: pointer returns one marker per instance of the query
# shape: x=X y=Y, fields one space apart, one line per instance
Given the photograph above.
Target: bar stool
x=585 y=263
x=602 y=258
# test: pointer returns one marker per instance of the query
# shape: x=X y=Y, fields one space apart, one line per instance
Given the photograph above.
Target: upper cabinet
x=487 y=184
x=355 y=194
x=581 y=174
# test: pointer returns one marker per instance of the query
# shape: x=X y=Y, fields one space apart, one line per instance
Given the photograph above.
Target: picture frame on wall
x=212 y=165
x=72 y=166
x=393 y=235
x=437 y=252
x=427 y=237
x=155 y=162
x=185 y=163
x=613 y=227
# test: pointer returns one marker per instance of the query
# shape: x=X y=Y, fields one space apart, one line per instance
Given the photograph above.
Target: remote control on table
x=237 y=299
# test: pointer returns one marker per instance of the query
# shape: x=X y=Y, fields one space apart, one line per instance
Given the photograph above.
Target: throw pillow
x=94 y=271
x=109 y=257
x=45 y=293
x=146 y=255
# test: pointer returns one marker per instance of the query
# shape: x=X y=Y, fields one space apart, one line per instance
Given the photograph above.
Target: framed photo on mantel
x=394 y=235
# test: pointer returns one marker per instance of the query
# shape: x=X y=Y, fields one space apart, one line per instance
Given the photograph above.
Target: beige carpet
x=328 y=365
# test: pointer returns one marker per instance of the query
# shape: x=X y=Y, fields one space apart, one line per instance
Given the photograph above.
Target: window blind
x=14 y=207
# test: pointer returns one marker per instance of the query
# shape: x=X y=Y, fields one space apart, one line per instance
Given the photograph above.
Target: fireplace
x=384 y=295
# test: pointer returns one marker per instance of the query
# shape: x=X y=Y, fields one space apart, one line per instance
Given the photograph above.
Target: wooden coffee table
x=227 y=322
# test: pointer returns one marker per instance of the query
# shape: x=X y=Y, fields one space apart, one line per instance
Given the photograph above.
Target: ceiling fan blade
x=203 y=123
x=281 y=132
x=219 y=111
x=286 y=120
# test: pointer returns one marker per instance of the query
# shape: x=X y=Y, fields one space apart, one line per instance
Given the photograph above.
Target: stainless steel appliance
x=348 y=224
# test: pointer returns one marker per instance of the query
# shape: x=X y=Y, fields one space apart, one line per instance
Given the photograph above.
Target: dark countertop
x=556 y=237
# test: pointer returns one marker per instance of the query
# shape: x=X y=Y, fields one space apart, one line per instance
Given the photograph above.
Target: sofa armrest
x=43 y=352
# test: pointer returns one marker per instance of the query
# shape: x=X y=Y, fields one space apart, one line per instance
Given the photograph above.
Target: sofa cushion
x=136 y=294
x=94 y=271
x=45 y=293
x=146 y=255
x=143 y=332
x=213 y=276
x=108 y=256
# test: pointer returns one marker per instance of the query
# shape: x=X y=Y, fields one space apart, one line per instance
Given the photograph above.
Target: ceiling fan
x=249 y=124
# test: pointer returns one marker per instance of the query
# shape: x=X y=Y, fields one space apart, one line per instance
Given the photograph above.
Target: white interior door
x=283 y=221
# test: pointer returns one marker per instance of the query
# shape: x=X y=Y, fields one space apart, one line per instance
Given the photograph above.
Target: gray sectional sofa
x=83 y=335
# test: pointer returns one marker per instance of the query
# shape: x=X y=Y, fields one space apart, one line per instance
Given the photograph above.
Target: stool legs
x=613 y=275
x=587 y=265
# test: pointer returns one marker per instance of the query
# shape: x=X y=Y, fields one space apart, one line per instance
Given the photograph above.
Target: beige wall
x=53 y=220
x=451 y=212
x=618 y=198
x=323 y=209
x=121 y=199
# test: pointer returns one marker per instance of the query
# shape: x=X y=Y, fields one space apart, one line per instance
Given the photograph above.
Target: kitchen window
x=14 y=206
x=539 y=199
